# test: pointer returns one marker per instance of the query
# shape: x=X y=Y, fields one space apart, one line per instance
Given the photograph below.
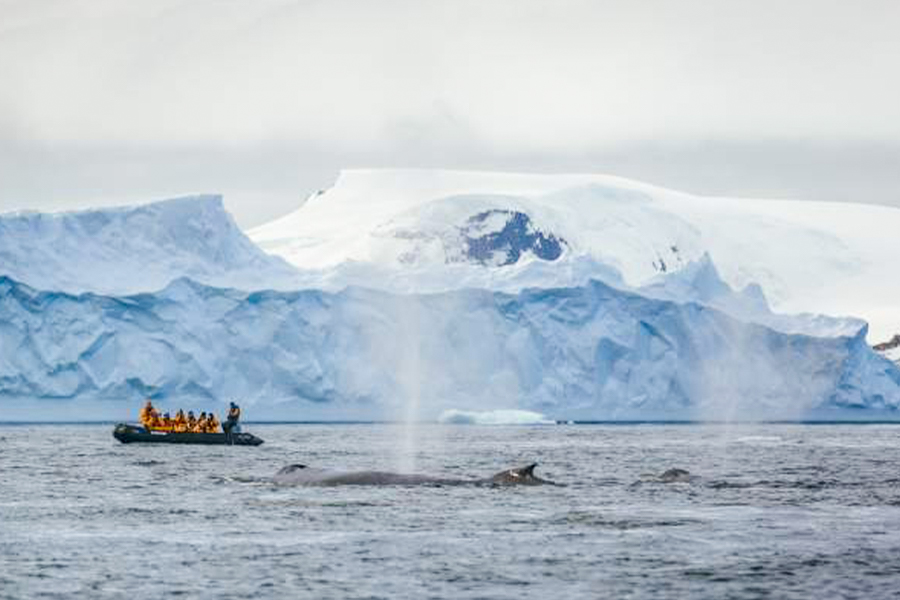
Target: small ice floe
x=494 y=417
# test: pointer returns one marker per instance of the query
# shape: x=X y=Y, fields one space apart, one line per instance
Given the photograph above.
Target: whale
x=303 y=475
x=674 y=475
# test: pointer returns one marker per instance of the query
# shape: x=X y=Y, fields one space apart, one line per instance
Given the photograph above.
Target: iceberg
x=586 y=352
x=455 y=296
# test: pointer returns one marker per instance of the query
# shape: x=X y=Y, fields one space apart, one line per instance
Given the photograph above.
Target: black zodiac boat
x=128 y=434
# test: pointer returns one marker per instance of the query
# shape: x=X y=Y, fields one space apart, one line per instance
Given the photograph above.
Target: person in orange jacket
x=180 y=423
x=147 y=414
x=200 y=425
x=212 y=423
x=166 y=423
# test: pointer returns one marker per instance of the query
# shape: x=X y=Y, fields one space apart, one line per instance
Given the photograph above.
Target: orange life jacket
x=146 y=414
x=180 y=423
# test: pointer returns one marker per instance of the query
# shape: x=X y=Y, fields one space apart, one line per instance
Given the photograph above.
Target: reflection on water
x=790 y=511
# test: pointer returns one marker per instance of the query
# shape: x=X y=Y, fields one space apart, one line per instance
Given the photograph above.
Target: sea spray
x=409 y=378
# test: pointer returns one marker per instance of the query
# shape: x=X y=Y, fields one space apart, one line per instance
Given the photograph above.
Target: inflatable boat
x=128 y=434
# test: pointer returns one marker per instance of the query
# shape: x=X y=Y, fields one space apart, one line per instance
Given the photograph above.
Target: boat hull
x=129 y=434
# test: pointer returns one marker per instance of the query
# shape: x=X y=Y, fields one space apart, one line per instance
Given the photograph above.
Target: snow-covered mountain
x=132 y=249
x=423 y=230
x=592 y=351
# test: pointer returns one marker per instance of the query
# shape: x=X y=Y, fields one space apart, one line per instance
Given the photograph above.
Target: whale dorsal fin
x=290 y=468
x=521 y=476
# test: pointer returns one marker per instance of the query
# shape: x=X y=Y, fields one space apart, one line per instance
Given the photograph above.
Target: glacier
x=586 y=352
x=395 y=229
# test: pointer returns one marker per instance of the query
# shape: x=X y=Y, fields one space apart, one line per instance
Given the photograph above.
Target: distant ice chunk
x=494 y=417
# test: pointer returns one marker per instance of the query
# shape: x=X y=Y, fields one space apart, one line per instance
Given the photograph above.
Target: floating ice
x=494 y=417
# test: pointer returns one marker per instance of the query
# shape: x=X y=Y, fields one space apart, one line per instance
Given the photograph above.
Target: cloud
x=263 y=181
x=104 y=101
x=510 y=74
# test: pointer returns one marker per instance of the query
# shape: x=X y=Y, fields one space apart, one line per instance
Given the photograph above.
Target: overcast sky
x=110 y=101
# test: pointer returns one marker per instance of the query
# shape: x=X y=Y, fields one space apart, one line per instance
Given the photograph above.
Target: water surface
x=781 y=511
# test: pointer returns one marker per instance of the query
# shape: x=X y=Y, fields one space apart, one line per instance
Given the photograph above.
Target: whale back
x=675 y=476
x=297 y=474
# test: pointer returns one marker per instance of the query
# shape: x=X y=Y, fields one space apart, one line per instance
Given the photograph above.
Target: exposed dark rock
x=505 y=246
x=892 y=343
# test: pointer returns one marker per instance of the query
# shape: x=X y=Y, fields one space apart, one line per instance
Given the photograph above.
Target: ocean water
x=773 y=511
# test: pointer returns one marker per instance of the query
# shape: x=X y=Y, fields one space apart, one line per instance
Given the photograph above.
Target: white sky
x=111 y=101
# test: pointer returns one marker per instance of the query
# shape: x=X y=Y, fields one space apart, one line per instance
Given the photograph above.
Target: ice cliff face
x=133 y=249
x=587 y=352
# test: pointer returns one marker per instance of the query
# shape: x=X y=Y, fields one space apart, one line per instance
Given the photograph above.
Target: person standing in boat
x=231 y=424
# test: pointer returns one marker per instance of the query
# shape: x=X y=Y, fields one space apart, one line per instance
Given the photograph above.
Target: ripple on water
x=148 y=463
x=622 y=522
